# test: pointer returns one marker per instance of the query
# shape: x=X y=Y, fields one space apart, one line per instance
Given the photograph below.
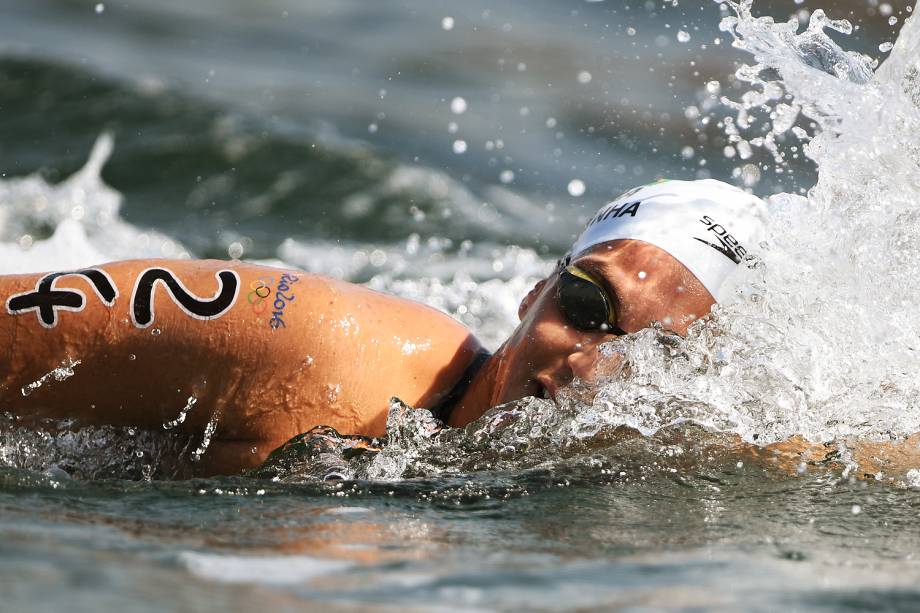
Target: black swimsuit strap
x=445 y=407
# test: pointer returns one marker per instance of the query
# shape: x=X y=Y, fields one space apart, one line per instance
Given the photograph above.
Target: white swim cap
x=708 y=226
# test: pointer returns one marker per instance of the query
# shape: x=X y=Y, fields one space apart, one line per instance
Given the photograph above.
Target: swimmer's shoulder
x=395 y=311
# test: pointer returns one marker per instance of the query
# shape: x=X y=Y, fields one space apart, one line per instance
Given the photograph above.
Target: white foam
x=84 y=214
x=822 y=338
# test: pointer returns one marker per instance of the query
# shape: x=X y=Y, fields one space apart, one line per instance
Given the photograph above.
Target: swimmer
x=253 y=355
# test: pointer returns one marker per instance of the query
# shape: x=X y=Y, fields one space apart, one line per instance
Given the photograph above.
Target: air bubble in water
x=235 y=250
x=886 y=47
x=630 y=31
x=459 y=146
x=687 y=152
x=683 y=37
x=447 y=24
x=506 y=176
x=100 y=8
x=584 y=77
x=576 y=187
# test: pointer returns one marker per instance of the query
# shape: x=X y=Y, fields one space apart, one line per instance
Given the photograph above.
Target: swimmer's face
x=643 y=283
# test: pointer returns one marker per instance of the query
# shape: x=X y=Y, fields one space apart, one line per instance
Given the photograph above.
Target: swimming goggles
x=585 y=303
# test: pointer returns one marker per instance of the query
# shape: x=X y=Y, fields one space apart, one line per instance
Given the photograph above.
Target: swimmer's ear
x=529 y=298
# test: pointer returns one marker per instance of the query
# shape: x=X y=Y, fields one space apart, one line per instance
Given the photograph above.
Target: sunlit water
x=634 y=492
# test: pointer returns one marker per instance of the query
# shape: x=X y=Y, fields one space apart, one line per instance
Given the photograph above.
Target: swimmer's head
x=708 y=226
x=658 y=254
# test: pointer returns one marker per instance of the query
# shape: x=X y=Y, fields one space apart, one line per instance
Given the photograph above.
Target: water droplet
x=576 y=187
x=100 y=8
x=744 y=150
x=235 y=250
x=156 y=332
x=683 y=37
x=886 y=47
x=447 y=24
x=750 y=175
x=687 y=152
x=132 y=357
x=458 y=105
x=551 y=122
x=642 y=274
x=459 y=147
x=713 y=87
x=630 y=31
x=584 y=77
x=856 y=509
x=506 y=176
x=892 y=20
x=372 y=128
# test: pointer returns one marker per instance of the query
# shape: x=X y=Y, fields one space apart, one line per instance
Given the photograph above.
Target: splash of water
x=183 y=414
x=72 y=224
x=820 y=337
x=62 y=450
x=61 y=373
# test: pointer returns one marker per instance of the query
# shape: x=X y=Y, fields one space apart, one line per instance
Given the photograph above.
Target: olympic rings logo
x=260 y=290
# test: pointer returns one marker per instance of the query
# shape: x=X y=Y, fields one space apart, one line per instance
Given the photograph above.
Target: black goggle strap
x=581 y=274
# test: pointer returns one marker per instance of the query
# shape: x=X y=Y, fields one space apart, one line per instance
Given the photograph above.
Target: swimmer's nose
x=582 y=362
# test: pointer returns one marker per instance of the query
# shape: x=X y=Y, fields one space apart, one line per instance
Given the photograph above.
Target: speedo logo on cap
x=726 y=244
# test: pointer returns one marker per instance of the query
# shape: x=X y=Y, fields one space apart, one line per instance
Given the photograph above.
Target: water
x=449 y=153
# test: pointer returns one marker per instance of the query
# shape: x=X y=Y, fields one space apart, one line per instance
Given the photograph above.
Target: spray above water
x=819 y=337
